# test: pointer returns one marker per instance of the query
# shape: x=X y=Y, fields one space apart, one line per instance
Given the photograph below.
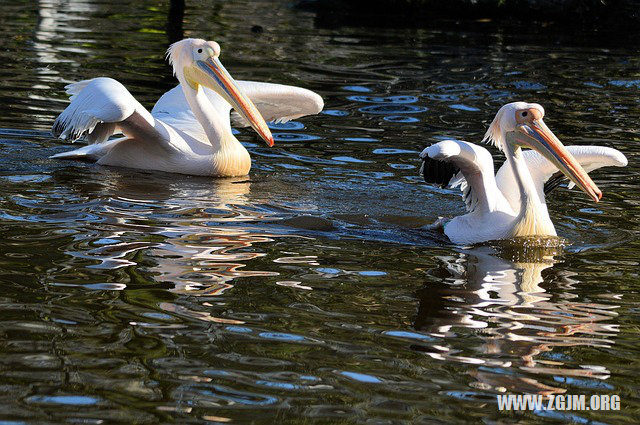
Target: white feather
x=541 y=169
x=475 y=178
x=94 y=102
x=494 y=203
x=511 y=203
x=189 y=129
x=276 y=102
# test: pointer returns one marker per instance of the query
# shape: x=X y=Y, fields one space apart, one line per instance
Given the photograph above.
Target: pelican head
x=196 y=62
x=521 y=124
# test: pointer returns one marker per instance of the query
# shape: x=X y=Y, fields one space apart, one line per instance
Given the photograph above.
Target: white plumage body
x=512 y=203
x=496 y=205
x=189 y=129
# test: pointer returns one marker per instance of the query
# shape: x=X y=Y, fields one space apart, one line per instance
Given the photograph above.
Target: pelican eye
x=524 y=113
x=199 y=50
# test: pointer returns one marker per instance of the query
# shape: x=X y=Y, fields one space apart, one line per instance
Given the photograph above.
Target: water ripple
x=293 y=137
x=400 y=118
x=289 y=125
x=309 y=290
x=386 y=99
x=392 y=109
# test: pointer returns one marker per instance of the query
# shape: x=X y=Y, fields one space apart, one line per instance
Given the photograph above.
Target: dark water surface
x=309 y=291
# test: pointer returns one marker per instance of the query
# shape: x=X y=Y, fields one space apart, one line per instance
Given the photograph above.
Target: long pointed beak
x=229 y=90
x=540 y=138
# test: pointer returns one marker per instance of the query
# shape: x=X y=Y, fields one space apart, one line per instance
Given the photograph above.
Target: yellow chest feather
x=533 y=221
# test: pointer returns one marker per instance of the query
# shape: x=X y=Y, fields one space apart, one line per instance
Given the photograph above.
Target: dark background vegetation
x=600 y=15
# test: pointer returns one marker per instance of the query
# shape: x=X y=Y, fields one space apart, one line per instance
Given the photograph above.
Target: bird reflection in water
x=497 y=292
x=192 y=237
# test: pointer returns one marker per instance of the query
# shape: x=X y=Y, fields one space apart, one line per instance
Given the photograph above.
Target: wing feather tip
x=318 y=103
x=620 y=159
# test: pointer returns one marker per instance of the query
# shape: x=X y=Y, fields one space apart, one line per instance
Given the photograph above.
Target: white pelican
x=512 y=203
x=189 y=130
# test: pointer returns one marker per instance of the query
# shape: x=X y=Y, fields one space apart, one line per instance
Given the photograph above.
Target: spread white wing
x=99 y=108
x=461 y=164
x=276 y=102
x=547 y=177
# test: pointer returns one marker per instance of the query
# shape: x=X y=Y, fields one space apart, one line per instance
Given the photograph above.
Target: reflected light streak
x=513 y=315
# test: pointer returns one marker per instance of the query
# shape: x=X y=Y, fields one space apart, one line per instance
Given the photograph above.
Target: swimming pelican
x=189 y=130
x=512 y=203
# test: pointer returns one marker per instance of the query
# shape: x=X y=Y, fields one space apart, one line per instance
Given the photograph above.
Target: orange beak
x=225 y=86
x=540 y=138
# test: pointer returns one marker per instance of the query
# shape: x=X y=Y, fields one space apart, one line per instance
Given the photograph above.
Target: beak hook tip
x=597 y=195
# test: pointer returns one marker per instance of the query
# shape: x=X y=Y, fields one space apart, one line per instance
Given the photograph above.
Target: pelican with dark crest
x=188 y=131
x=512 y=202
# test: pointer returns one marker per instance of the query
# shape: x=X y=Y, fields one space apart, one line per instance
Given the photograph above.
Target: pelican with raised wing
x=189 y=129
x=512 y=203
